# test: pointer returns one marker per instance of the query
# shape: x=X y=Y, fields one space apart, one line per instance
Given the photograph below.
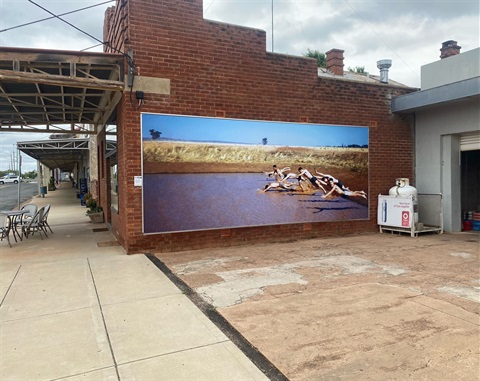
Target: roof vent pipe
x=384 y=65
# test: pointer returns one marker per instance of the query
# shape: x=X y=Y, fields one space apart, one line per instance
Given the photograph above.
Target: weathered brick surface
x=217 y=68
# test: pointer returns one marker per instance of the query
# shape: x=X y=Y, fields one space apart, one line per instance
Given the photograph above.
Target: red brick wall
x=217 y=67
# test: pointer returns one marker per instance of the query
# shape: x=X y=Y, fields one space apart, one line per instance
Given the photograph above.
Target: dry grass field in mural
x=184 y=157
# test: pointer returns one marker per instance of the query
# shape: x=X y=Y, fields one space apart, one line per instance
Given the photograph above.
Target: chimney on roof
x=449 y=48
x=334 y=58
x=384 y=65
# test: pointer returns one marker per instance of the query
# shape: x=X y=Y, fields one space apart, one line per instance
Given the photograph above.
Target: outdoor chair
x=30 y=210
x=34 y=225
x=5 y=228
x=44 y=221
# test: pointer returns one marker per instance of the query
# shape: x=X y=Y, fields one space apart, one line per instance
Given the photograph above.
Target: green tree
x=30 y=175
x=357 y=69
x=264 y=141
x=319 y=56
x=8 y=171
x=154 y=134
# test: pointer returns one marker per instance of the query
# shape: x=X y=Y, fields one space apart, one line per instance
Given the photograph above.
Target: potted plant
x=51 y=184
x=95 y=211
x=84 y=198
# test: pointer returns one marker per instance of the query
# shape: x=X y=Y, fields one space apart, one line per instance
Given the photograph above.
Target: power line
x=299 y=18
x=380 y=37
x=66 y=22
x=94 y=46
x=52 y=17
x=206 y=10
x=129 y=60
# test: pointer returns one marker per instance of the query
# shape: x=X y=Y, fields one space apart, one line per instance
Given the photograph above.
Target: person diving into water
x=277 y=174
x=315 y=182
x=344 y=192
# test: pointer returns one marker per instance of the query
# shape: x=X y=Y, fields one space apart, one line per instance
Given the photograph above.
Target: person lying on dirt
x=278 y=185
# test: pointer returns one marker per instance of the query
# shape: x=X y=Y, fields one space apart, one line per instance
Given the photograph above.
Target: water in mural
x=177 y=202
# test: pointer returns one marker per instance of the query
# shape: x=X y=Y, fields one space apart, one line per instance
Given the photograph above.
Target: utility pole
x=273 y=46
x=19 y=175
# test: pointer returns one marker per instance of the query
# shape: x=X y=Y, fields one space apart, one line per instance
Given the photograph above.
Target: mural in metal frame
x=204 y=173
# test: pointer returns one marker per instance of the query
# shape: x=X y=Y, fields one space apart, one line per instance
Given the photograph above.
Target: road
x=9 y=194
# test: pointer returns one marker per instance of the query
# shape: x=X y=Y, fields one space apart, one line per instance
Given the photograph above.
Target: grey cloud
x=90 y=20
x=255 y=15
x=409 y=31
x=372 y=10
x=8 y=146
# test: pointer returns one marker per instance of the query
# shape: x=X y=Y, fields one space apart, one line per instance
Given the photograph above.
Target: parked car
x=9 y=179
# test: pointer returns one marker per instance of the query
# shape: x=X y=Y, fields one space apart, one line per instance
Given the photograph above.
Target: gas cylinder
x=404 y=189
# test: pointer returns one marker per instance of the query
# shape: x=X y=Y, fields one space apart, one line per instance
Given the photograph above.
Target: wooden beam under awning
x=59 y=80
x=58 y=90
x=9 y=53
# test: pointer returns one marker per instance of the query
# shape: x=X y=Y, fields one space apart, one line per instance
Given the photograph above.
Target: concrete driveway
x=364 y=307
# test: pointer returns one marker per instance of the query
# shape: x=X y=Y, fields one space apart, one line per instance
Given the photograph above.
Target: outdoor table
x=13 y=215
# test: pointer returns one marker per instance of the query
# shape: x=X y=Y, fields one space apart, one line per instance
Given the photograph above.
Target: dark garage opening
x=470 y=180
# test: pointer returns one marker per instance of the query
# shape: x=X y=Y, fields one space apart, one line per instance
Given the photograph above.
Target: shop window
x=114 y=187
x=102 y=160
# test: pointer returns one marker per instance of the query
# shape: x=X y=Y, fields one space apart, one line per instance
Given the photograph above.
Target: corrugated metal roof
x=41 y=89
x=358 y=77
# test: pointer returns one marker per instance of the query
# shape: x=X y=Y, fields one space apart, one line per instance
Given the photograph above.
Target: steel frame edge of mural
x=204 y=173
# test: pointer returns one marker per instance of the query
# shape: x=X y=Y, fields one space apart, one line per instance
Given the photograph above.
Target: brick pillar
x=449 y=48
x=334 y=58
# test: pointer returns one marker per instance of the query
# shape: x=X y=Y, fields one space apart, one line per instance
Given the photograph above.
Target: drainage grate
x=107 y=243
x=100 y=230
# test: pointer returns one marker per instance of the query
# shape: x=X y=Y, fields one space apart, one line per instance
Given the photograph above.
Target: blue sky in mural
x=177 y=127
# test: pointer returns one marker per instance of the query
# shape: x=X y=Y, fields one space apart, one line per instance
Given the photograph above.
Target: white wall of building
x=438 y=130
x=450 y=70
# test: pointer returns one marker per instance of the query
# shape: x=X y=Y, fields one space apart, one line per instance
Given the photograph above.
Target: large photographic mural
x=216 y=173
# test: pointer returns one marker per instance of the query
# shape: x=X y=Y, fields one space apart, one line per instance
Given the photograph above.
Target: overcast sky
x=409 y=32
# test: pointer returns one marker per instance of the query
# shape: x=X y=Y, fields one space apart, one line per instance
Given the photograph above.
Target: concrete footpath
x=74 y=306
